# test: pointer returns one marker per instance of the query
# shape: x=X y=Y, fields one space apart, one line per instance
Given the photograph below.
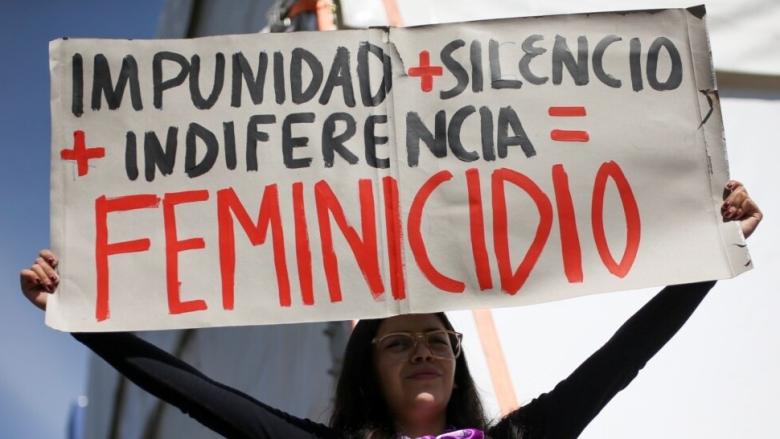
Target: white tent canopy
x=744 y=35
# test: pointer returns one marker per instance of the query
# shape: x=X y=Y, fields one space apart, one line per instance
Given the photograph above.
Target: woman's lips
x=426 y=374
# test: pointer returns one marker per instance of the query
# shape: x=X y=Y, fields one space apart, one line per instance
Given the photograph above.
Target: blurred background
x=716 y=379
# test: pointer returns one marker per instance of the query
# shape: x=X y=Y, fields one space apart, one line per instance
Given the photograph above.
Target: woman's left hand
x=738 y=206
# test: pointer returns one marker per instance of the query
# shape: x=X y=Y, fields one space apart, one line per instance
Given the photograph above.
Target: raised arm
x=566 y=410
x=225 y=410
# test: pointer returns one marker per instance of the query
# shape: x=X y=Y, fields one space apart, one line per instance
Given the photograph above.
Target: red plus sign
x=425 y=71
x=81 y=154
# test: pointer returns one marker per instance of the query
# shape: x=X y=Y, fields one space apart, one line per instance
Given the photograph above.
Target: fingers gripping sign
x=738 y=206
x=40 y=279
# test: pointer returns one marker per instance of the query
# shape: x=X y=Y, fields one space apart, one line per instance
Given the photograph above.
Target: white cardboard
x=667 y=143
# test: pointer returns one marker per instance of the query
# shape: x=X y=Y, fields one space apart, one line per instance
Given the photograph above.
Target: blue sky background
x=42 y=371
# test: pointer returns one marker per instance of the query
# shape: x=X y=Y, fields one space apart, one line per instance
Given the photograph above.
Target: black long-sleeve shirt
x=561 y=413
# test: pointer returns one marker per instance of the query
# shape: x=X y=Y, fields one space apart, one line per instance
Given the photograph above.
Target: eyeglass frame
x=422 y=335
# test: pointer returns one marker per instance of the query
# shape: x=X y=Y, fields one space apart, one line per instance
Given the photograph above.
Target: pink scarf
x=467 y=433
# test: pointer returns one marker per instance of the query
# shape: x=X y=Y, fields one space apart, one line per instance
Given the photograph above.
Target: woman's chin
x=425 y=398
x=429 y=395
x=428 y=402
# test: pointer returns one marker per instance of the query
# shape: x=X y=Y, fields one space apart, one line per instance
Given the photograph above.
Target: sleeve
x=566 y=410
x=225 y=410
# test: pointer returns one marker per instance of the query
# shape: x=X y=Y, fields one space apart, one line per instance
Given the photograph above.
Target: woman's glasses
x=441 y=343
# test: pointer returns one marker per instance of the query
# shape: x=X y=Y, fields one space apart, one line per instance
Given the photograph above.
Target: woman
x=405 y=376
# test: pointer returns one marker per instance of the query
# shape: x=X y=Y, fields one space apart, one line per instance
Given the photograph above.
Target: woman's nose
x=420 y=352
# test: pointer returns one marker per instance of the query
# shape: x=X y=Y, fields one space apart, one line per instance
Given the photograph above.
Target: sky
x=42 y=371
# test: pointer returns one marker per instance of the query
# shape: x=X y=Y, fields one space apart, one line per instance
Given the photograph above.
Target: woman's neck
x=419 y=428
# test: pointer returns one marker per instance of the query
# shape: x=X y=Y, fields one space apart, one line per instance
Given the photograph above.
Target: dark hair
x=360 y=410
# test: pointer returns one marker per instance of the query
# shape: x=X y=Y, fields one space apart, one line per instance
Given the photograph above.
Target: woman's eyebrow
x=428 y=329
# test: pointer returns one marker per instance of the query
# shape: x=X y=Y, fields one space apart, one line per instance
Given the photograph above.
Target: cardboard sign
x=252 y=179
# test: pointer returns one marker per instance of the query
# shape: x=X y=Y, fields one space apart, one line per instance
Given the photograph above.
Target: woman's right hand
x=738 y=206
x=40 y=279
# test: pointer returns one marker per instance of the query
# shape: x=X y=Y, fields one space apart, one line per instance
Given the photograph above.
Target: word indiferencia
x=338 y=139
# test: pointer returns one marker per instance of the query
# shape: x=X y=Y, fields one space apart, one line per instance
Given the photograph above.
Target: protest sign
x=274 y=178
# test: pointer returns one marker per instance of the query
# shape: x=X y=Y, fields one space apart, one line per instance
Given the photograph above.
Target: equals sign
x=568 y=135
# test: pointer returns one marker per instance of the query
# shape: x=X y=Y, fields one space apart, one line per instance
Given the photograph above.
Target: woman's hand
x=738 y=206
x=40 y=279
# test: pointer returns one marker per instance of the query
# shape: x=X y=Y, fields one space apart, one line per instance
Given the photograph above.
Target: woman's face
x=416 y=383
